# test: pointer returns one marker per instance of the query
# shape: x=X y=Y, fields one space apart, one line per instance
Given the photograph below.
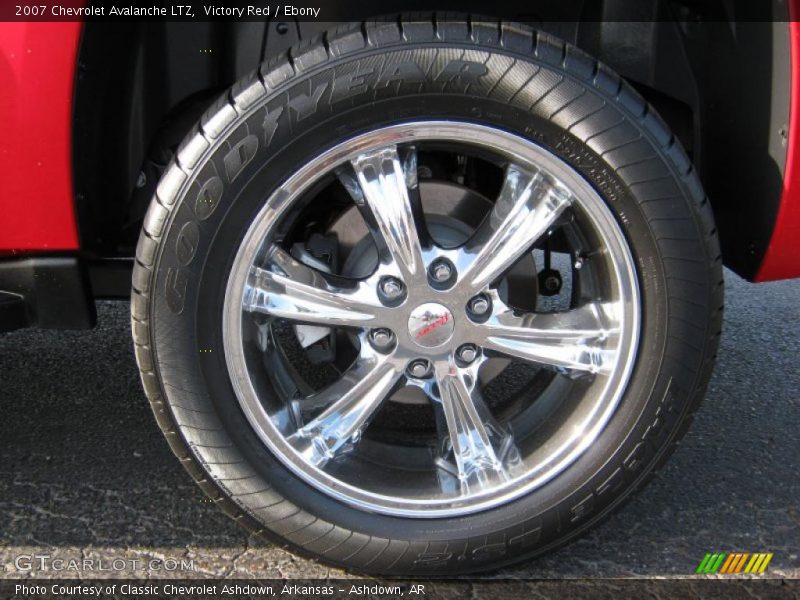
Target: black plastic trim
x=111 y=278
x=51 y=292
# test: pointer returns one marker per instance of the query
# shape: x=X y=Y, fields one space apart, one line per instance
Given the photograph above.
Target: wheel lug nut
x=390 y=289
x=381 y=338
x=467 y=353
x=479 y=305
x=441 y=272
x=419 y=368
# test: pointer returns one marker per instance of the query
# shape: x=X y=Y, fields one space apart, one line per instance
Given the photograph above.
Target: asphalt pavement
x=86 y=475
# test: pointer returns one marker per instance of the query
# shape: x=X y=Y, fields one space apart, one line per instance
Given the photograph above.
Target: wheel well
x=141 y=86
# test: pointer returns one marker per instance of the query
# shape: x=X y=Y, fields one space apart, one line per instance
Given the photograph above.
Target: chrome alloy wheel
x=431 y=317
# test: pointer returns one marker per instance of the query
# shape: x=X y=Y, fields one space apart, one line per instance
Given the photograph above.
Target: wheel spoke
x=528 y=205
x=582 y=339
x=384 y=181
x=351 y=402
x=293 y=291
x=483 y=450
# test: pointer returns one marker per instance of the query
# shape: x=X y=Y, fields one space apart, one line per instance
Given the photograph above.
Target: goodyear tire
x=590 y=131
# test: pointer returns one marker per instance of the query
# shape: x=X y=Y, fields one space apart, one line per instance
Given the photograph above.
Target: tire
x=359 y=79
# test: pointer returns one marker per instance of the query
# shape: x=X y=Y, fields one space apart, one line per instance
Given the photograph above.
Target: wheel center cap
x=431 y=325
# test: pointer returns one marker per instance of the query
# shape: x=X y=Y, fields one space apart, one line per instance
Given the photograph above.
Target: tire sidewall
x=196 y=255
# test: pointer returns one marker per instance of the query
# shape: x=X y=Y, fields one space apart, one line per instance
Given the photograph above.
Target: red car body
x=37 y=76
x=782 y=260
